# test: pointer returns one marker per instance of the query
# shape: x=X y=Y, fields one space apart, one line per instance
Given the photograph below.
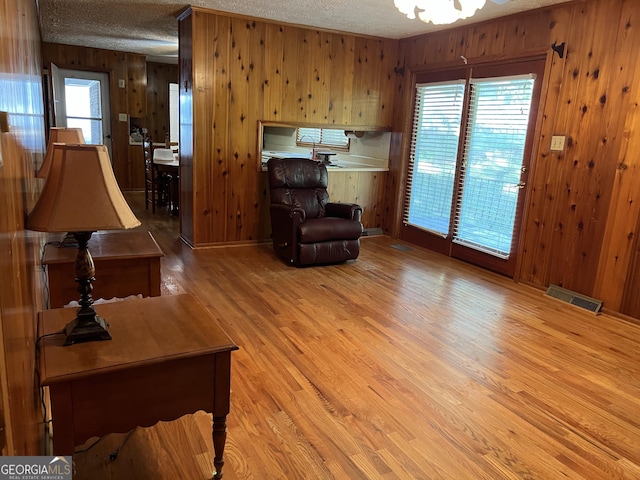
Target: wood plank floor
x=401 y=365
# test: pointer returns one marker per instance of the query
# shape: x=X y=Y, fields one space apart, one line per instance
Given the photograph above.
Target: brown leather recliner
x=306 y=228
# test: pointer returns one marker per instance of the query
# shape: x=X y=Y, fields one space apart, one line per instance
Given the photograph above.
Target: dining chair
x=156 y=185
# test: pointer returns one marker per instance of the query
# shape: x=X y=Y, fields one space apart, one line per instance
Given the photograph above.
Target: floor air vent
x=582 y=301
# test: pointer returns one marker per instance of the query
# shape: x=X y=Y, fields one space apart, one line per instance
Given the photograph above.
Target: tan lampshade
x=81 y=194
x=59 y=135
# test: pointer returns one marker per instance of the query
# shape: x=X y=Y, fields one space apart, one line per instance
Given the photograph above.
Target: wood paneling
x=136 y=167
x=156 y=119
x=619 y=268
x=20 y=283
x=581 y=220
x=136 y=86
x=364 y=188
x=244 y=71
x=131 y=100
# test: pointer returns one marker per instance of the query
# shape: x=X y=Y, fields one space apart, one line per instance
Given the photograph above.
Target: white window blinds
x=434 y=147
x=491 y=164
x=322 y=136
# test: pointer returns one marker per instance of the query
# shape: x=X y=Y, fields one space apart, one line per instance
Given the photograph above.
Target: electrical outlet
x=557 y=143
x=122 y=117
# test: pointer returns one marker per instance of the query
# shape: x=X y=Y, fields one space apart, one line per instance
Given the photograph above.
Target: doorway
x=469 y=161
x=81 y=100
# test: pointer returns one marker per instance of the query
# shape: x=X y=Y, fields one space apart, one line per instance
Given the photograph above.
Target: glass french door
x=470 y=151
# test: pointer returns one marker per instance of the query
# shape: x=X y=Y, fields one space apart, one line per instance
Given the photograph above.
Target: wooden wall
x=131 y=100
x=156 y=120
x=238 y=71
x=582 y=216
x=22 y=148
x=159 y=75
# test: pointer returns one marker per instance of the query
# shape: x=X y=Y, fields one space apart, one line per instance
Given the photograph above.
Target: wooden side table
x=127 y=263
x=168 y=358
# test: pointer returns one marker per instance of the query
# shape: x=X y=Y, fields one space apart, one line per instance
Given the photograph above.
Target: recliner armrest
x=350 y=211
x=298 y=215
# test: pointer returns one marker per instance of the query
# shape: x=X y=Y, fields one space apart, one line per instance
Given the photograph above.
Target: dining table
x=166 y=161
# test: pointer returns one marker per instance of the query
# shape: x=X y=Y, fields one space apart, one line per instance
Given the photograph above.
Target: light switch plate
x=557 y=143
x=121 y=82
x=122 y=117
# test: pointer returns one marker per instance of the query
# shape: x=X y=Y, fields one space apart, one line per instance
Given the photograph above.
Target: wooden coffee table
x=127 y=263
x=168 y=358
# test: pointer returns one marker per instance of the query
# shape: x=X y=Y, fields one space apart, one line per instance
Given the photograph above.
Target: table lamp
x=81 y=196
x=59 y=135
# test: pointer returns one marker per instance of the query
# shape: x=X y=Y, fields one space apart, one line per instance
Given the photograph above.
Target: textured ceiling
x=150 y=26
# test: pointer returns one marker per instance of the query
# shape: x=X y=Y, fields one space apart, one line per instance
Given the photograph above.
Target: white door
x=81 y=100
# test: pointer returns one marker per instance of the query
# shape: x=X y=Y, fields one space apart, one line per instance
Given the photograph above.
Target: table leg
x=221 y=401
x=219 y=440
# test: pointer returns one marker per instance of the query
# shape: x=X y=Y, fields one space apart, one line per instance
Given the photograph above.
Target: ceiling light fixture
x=439 y=12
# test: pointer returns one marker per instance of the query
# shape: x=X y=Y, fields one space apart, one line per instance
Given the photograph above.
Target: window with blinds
x=434 y=149
x=466 y=190
x=327 y=137
x=491 y=162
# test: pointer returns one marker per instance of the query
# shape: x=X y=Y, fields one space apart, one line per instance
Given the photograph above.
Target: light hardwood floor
x=401 y=365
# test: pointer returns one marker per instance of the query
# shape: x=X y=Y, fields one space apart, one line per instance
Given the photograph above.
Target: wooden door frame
x=444 y=244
